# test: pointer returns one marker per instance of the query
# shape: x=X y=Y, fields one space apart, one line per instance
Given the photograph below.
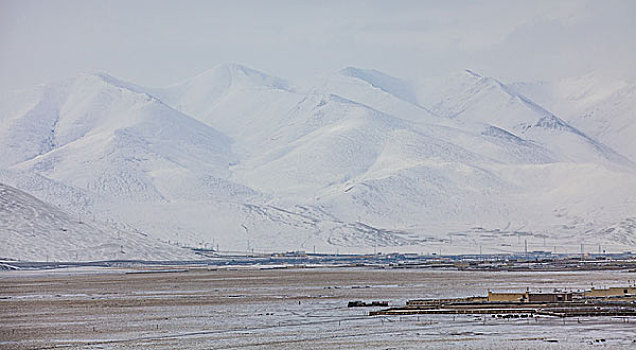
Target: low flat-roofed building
x=530 y=297
x=506 y=296
x=549 y=297
x=610 y=292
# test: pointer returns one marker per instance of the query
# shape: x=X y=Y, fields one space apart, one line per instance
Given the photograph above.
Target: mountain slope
x=601 y=107
x=470 y=97
x=34 y=230
x=379 y=91
x=245 y=104
x=109 y=139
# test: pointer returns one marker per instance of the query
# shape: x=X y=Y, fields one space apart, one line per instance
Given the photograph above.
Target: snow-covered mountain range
x=238 y=159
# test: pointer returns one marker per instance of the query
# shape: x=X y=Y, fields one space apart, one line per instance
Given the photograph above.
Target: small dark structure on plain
x=360 y=303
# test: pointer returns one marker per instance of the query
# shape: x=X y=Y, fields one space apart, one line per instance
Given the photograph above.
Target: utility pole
x=525 y=241
x=582 y=248
x=247 y=234
x=375 y=243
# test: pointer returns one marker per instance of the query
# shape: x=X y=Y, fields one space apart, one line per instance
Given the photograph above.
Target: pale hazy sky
x=157 y=42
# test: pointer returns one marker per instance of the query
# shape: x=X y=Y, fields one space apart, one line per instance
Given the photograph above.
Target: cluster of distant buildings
x=612 y=301
x=559 y=296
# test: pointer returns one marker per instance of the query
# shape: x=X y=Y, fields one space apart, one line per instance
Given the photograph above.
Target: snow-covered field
x=285 y=309
x=242 y=160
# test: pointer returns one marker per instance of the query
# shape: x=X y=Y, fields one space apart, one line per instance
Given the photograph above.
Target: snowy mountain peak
x=383 y=81
x=237 y=76
x=473 y=74
x=199 y=95
x=93 y=83
x=116 y=82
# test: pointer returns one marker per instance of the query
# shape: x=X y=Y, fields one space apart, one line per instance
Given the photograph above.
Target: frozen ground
x=283 y=309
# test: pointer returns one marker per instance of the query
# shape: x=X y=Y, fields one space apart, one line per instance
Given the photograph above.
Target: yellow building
x=506 y=296
x=530 y=297
x=610 y=292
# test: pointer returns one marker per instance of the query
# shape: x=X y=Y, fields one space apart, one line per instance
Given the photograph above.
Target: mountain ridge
x=242 y=159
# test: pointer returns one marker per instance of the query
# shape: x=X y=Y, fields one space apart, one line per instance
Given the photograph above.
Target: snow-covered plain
x=287 y=309
x=237 y=158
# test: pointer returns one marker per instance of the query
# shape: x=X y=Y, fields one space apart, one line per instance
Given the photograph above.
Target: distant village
x=531 y=260
x=612 y=301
